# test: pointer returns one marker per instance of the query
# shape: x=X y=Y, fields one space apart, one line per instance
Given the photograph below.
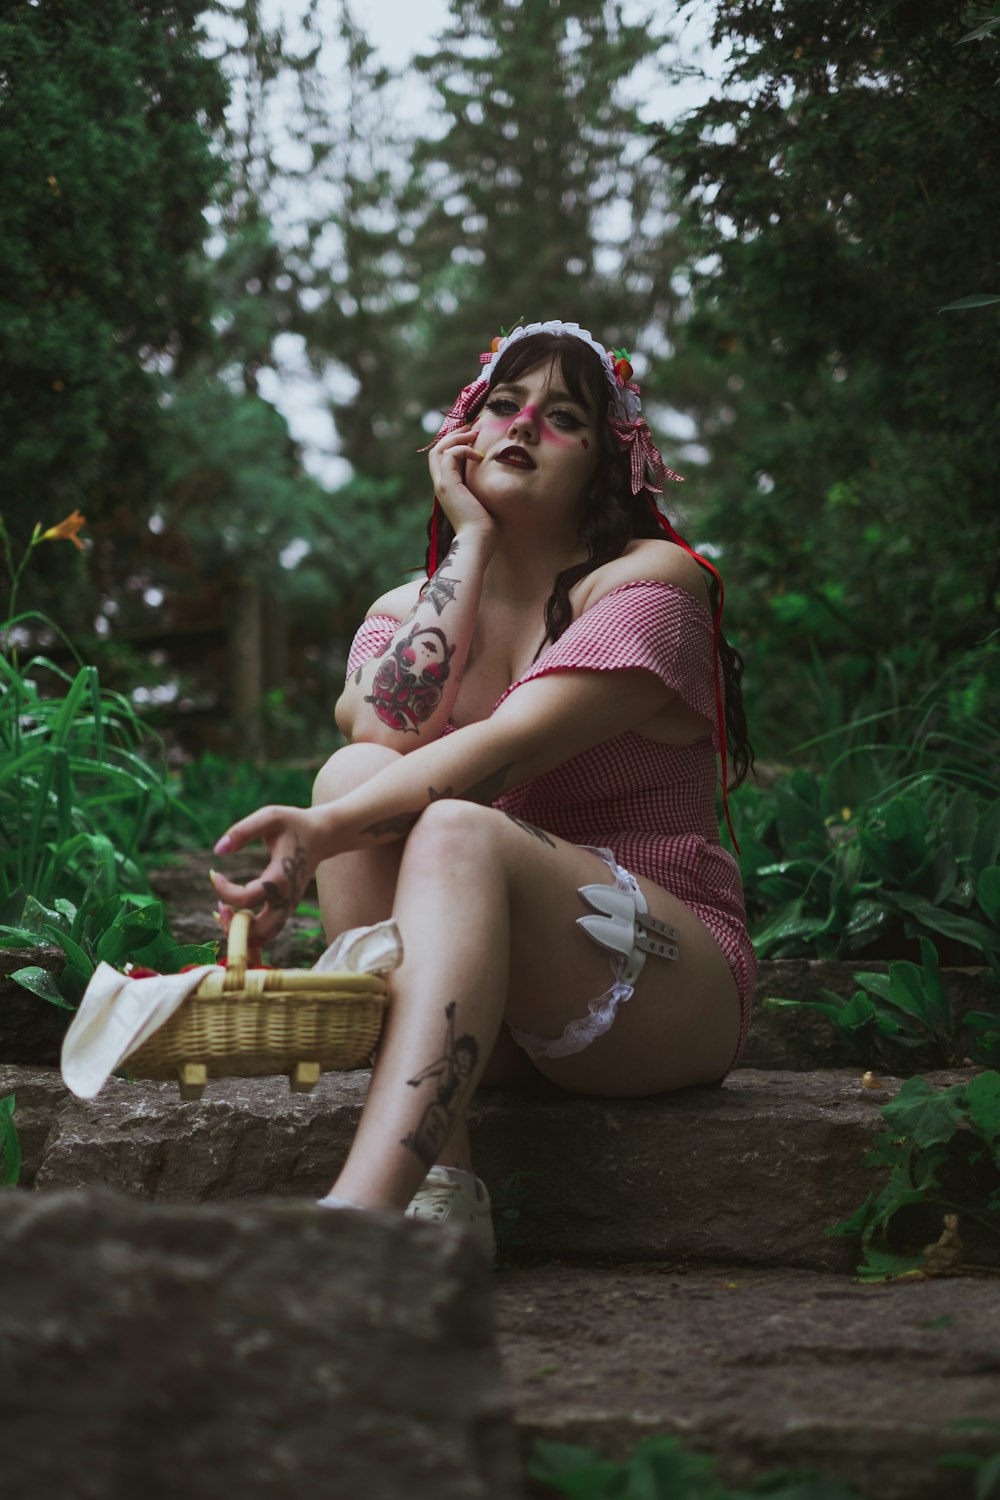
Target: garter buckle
x=626 y=927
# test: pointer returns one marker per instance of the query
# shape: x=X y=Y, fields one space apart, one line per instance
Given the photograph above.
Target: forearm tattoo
x=489 y=789
x=452 y=1075
x=400 y=824
x=294 y=866
x=536 y=833
x=409 y=682
x=440 y=590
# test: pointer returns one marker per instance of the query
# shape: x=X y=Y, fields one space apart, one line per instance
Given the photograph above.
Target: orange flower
x=66 y=531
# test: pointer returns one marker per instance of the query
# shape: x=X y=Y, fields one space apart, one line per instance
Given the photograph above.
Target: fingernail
x=476 y=453
x=224 y=846
x=213 y=876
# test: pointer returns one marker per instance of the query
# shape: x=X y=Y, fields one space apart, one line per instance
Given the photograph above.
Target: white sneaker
x=449 y=1196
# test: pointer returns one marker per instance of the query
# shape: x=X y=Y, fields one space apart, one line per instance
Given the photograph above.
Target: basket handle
x=239 y=946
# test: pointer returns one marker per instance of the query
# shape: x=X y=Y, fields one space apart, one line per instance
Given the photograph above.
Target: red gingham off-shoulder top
x=653 y=805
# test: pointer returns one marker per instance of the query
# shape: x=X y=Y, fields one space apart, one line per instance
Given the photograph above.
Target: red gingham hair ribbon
x=648 y=469
x=468 y=397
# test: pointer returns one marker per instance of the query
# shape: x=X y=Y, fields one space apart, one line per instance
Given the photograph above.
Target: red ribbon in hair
x=720 y=710
x=648 y=469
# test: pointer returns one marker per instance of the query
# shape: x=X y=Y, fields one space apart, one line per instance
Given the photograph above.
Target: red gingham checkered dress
x=653 y=805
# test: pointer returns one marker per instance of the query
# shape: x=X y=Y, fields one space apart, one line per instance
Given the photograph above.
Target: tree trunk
x=245 y=669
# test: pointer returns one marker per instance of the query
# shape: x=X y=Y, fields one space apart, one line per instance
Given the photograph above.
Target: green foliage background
x=839 y=189
x=781 y=253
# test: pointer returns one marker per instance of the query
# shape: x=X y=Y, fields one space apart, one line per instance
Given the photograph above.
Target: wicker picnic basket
x=249 y=1023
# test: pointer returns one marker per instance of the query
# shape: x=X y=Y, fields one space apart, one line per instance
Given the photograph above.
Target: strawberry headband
x=646 y=466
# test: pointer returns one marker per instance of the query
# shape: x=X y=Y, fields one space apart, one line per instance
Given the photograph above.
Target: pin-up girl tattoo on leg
x=407 y=686
x=451 y=1074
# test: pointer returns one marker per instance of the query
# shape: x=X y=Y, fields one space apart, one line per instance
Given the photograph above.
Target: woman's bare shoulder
x=397 y=602
x=645 y=558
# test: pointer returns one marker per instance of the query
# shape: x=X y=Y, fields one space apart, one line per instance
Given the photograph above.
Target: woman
x=529 y=790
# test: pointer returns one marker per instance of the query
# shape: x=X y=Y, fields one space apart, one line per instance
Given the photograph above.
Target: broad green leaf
x=961 y=822
x=923 y=1114
x=934 y=990
x=875 y=984
x=10 y=1146
x=77 y=958
x=555 y=1463
x=906 y=990
x=988 y=1474
x=928 y=1165
x=855 y=1223
x=867 y=919
x=832 y=1012
x=857 y=1013
x=18 y=937
x=962 y=929
x=36 y=917
x=982 y=1100
x=986 y=844
x=988 y=891
x=884 y=1265
x=788 y=921
x=40 y=982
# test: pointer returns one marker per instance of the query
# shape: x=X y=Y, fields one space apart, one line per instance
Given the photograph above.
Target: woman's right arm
x=404 y=697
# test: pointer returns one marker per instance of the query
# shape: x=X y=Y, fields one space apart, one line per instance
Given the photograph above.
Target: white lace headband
x=624 y=403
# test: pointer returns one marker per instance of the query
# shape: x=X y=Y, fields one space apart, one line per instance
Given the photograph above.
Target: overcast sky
x=399 y=29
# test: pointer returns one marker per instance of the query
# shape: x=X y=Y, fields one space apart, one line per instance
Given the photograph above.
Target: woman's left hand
x=294 y=840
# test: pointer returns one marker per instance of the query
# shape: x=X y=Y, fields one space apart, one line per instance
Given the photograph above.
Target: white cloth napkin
x=117 y=1014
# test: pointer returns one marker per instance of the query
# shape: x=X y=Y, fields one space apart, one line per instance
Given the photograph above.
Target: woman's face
x=540 y=446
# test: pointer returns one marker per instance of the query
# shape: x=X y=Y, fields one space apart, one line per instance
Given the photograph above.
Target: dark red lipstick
x=517 y=458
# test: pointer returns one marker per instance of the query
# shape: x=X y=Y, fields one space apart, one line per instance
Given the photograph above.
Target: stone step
x=250 y=1350
x=764 y=1370
x=31 y=1030
x=752 y=1172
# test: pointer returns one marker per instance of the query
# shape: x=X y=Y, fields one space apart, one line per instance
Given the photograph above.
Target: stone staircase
x=682 y=1283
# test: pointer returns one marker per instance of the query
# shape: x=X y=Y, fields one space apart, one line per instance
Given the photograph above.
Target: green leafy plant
x=891 y=831
x=986 y=1484
x=920 y=859
x=10 y=1146
x=213 y=792
x=117 y=931
x=903 y=1021
x=77 y=793
x=660 y=1469
x=942 y=1154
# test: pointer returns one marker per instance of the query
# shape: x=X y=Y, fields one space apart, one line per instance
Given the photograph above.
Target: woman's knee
x=454 y=828
x=349 y=767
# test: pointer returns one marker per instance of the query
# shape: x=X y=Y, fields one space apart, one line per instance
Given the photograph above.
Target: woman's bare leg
x=487 y=910
x=358 y=888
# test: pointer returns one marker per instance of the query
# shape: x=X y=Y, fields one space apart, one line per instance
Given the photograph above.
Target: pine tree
x=541 y=201
x=106 y=119
x=841 y=188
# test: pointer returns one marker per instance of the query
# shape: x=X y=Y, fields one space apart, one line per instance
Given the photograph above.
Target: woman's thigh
x=681 y=1025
